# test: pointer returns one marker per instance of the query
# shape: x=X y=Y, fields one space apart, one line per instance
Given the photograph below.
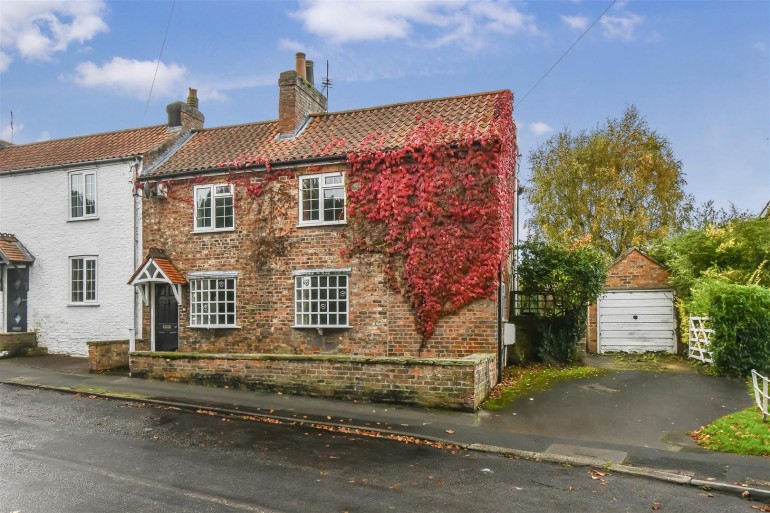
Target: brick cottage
x=251 y=278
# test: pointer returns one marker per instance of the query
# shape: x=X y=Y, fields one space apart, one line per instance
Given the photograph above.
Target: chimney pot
x=309 y=72
x=192 y=98
x=300 y=66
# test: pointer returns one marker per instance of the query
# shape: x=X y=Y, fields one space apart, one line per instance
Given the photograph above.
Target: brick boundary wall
x=15 y=344
x=105 y=355
x=452 y=383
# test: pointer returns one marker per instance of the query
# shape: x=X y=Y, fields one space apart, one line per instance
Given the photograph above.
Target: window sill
x=315 y=224
x=79 y=219
x=77 y=305
x=337 y=326
x=214 y=230
x=214 y=326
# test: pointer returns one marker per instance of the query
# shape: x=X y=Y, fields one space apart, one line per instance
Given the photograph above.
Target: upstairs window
x=83 y=280
x=214 y=208
x=82 y=195
x=322 y=199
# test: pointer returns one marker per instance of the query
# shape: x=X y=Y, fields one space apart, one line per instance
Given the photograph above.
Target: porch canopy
x=13 y=252
x=157 y=268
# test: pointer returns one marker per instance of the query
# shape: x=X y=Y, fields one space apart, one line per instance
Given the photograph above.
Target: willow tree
x=617 y=185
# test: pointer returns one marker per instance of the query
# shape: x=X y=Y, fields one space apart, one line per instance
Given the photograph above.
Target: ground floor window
x=212 y=301
x=83 y=279
x=321 y=298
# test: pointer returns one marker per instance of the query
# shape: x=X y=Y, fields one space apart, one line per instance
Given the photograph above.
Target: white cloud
x=6 y=134
x=132 y=77
x=38 y=30
x=577 y=22
x=444 y=21
x=45 y=135
x=621 y=26
x=540 y=128
x=5 y=61
x=291 y=45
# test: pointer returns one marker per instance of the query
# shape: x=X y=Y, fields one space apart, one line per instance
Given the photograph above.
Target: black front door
x=17 y=299
x=166 y=319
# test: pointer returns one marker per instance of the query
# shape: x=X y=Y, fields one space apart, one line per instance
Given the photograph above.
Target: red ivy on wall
x=443 y=205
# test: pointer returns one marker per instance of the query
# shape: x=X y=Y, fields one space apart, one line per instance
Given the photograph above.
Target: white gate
x=700 y=339
x=761 y=395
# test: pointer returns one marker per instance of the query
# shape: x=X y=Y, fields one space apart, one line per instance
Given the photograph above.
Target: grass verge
x=519 y=381
x=742 y=432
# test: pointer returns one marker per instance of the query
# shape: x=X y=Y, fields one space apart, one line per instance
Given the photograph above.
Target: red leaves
x=447 y=210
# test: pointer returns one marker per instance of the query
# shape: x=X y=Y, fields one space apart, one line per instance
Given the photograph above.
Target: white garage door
x=636 y=321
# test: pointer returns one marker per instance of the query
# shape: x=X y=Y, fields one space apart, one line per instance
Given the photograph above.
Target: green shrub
x=740 y=318
x=574 y=278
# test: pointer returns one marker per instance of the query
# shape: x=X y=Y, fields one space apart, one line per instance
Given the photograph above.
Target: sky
x=698 y=71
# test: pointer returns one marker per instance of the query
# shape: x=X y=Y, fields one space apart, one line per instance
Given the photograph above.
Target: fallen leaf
x=396 y=486
x=761 y=508
x=745 y=494
x=450 y=431
x=655 y=505
x=711 y=479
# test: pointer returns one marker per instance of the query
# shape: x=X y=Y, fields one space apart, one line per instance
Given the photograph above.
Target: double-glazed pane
x=321 y=301
x=203 y=207
x=334 y=199
x=82 y=195
x=310 y=195
x=82 y=280
x=223 y=211
x=212 y=302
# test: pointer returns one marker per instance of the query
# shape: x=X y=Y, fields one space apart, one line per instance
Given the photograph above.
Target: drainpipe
x=499 y=323
x=137 y=205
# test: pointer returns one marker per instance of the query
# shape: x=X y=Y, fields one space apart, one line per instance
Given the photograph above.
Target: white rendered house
x=71 y=209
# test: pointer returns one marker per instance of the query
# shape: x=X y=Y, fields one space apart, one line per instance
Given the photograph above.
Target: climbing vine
x=440 y=208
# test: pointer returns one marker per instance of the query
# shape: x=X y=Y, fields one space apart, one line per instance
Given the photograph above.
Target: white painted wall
x=34 y=206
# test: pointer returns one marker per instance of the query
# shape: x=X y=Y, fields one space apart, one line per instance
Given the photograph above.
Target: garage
x=636 y=321
x=636 y=313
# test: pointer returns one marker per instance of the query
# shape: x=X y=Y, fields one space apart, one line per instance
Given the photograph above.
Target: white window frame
x=202 y=307
x=322 y=185
x=213 y=208
x=320 y=281
x=84 y=281
x=82 y=177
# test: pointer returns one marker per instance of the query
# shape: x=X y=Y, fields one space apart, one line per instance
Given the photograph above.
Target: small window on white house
x=82 y=199
x=321 y=299
x=212 y=302
x=214 y=208
x=83 y=280
x=322 y=199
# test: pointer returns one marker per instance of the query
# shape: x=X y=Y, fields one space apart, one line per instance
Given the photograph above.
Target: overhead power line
x=162 y=45
x=566 y=52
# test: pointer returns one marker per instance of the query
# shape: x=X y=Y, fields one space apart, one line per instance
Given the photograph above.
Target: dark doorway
x=18 y=279
x=166 y=319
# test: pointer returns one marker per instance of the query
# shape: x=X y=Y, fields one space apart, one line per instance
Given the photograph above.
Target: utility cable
x=566 y=52
x=163 y=44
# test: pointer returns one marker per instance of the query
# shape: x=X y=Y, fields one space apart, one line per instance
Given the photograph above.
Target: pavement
x=626 y=421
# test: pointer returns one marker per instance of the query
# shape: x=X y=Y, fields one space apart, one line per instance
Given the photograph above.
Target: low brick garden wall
x=105 y=355
x=456 y=383
x=15 y=344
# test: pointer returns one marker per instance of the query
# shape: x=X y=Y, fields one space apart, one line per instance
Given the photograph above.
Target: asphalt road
x=64 y=453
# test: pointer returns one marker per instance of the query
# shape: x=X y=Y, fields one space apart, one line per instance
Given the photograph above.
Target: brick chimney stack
x=298 y=97
x=186 y=115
